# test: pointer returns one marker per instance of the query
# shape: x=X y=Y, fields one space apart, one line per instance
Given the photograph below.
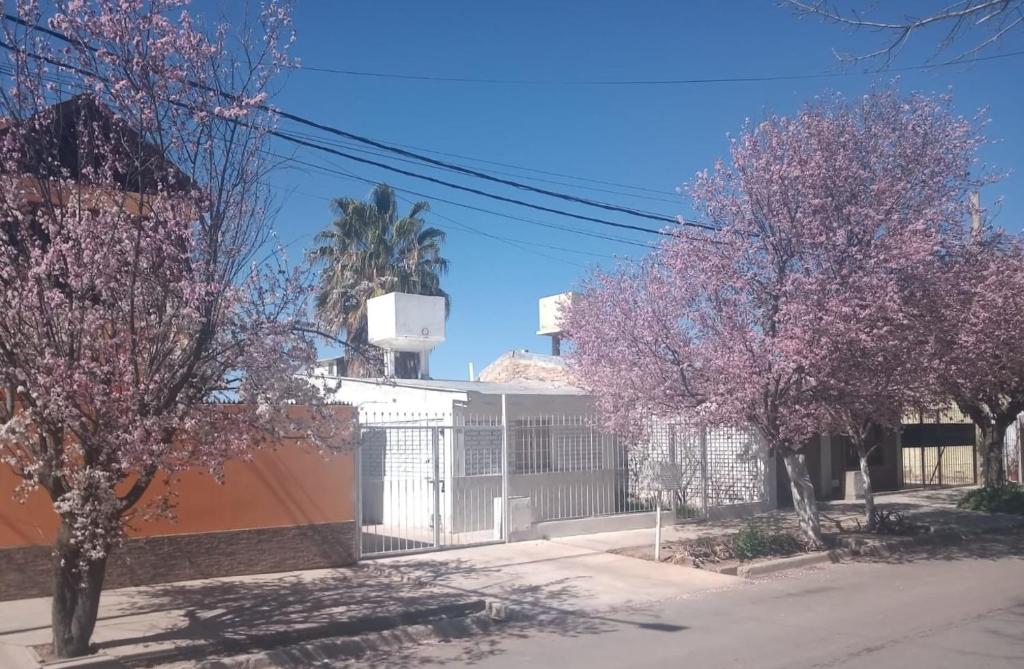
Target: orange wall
x=291 y=484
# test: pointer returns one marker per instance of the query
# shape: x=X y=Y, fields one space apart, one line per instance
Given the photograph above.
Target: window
x=531 y=446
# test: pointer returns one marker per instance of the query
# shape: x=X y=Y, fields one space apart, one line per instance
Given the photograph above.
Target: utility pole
x=976 y=214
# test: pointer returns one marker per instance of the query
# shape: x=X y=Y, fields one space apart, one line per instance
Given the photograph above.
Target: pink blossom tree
x=138 y=278
x=698 y=332
x=808 y=311
x=888 y=208
x=979 y=344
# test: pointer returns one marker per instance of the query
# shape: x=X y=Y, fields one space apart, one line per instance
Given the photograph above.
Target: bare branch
x=991 y=20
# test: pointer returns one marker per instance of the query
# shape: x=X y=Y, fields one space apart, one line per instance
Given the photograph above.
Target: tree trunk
x=804 y=502
x=869 y=493
x=993 y=471
x=76 y=597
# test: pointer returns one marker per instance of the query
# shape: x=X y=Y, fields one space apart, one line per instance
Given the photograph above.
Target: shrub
x=1007 y=498
x=754 y=541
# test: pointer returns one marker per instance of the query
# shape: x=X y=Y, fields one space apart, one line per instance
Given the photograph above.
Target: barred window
x=531 y=446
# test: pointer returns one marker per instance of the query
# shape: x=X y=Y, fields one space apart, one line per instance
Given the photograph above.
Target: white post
x=1020 y=452
x=424 y=364
x=704 y=471
x=505 y=516
x=975 y=199
x=436 y=453
x=657 y=529
x=357 y=494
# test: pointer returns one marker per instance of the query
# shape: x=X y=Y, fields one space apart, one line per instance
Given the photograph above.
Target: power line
x=53 y=33
x=58 y=79
x=403 y=152
x=477 y=191
x=483 y=175
x=521 y=245
x=459 y=225
x=646 y=82
x=353 y=147
x=533 y=169
x=432 y=198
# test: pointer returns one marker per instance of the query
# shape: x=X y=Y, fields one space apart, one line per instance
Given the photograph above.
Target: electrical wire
x=649 y=82
x=399 y=151
x=459 y=225
x=358 y=149
x=477 y=191
x=433 y=198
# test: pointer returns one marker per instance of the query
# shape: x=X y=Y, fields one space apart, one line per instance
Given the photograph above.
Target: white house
x=445 y=462
x=431 y=463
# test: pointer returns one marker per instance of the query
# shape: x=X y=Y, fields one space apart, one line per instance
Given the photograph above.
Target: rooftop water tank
x=551 y=313
x=405 y=322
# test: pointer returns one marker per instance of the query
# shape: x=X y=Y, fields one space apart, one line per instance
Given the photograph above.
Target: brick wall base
x=27 y=571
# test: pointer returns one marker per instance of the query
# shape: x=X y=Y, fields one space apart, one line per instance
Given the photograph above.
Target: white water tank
x=405 y=322
x=550 y=316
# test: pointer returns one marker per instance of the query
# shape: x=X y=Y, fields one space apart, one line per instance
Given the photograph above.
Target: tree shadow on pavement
x=980 y=547
x=231 y=616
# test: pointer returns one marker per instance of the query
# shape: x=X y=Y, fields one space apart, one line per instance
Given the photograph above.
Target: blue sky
x=655 y=137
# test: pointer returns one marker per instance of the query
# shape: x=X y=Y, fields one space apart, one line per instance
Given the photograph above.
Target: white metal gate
x=431 y=483
x=416 y=492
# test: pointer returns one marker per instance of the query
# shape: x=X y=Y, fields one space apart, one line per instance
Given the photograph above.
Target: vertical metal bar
x=974 y=463
x=924 y=481
x=672 y=461
x=357 y=493
x=435 y=448
x=507 y=536
x=704 y=470
x=1020 y=452
x=901 y=472
x=657 y=529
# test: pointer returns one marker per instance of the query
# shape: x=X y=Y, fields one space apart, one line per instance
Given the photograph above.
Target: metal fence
x=939 y=466
x=429 y=482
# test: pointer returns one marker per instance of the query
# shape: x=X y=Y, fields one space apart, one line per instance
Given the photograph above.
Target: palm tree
x=370 y=250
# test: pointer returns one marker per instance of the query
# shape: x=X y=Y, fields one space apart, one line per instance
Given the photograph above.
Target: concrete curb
x=865 y=546
x=766 y=567
x=98 y=661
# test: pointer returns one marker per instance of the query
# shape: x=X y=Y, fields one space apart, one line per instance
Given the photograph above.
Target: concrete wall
x=293 y=485
x=289 y=507
x=27 y=571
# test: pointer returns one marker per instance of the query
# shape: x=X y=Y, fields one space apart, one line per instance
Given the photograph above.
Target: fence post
x=657 y=528
x=704 y=470
x=504 y=469
x=674 y=499
x=900 y=473
x=924 y=475
x=436 y=462
x=974 y=461
x=1020 y=452
x=357 y=491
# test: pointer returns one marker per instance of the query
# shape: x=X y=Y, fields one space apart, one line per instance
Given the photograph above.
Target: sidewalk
x=232 y=613
x=564 y=586
x=572 y=585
